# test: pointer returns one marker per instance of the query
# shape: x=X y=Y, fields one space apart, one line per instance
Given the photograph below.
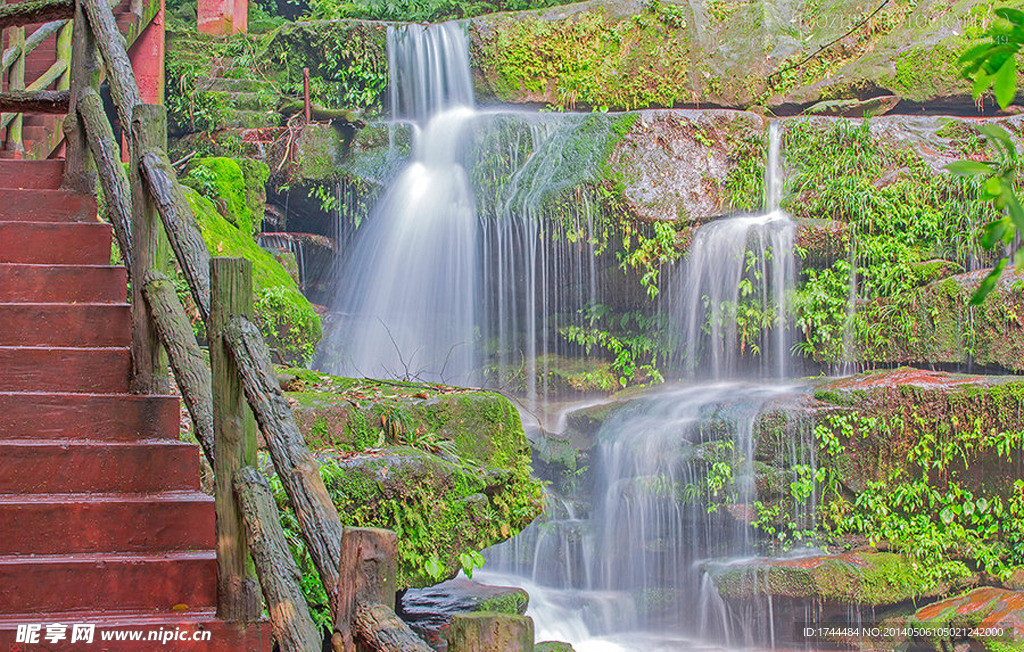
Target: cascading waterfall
x=463 y=264
x=408 y=288
x=729 y=302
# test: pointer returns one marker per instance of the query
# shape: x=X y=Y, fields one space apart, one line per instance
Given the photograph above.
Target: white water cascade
x=729 y=304
x=407 y=291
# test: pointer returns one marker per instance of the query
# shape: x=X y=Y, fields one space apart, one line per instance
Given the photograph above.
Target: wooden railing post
x=150 y=250
x=488 y=631
x=64 y=44
x=234 y=441
x=16 y=82
x=79 y=168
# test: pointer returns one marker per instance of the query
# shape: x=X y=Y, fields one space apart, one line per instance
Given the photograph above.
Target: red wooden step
x=98 y=417
x=39 y=369
x=48 y=206
x=62 y=283
x=222 y=636
x=63 y=324
x=129 y=581
x=54 y=524
x=36 y=175
x=43 y=243
x=41 y=466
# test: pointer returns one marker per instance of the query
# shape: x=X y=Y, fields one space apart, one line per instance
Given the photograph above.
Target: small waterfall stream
x=442 y=280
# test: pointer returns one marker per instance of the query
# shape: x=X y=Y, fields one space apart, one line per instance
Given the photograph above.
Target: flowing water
x=470 y=271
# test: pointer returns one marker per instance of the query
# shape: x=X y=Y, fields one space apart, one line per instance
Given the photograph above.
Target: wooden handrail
x=31 y=43
x=244 y=504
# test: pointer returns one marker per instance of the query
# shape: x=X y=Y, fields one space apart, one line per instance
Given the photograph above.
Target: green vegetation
x=418 y=11
x=447 y=469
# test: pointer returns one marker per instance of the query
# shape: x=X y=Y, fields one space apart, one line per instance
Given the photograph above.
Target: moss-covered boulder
x=237 y=186
x=884 y=419
x=446 y=468
x=627 y=54
x=862 y=578
x=287 y=319
x=429 y=611
x=986 y=618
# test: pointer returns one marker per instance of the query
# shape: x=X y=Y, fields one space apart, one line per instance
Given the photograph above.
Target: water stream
x=462 y=275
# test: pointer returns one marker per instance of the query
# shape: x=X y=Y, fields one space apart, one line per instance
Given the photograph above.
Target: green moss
x=286 y=317
x=236 y=186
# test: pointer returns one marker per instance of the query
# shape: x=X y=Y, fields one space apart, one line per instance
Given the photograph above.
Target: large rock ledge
x=448 y=469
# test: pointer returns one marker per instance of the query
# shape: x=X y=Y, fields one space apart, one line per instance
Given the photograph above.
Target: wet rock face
x=429 y=611
x=678 y=165
x=880 y=417
x=725 y=54
x=997 y=613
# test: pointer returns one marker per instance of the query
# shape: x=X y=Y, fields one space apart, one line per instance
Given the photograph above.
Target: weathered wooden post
x=280 y=578
x=64 y=44
x=150 y=250
x=79 y=169
x=16 y=82
x=367 y=573
x=487 y=632
x=234 y=442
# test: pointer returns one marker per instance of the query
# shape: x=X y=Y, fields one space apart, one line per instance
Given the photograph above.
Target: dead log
x=279 y=577
x=180 y=225
x=55 y=102
x=187 y=362
x=299 y=472
x=35 y=11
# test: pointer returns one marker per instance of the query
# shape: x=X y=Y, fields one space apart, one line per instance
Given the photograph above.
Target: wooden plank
x=279 y=576
x=34 y=102
x=234 y=440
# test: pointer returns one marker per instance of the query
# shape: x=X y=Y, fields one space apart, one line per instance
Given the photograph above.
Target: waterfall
x=632 y=562
x=729 y=304
x=407 y=292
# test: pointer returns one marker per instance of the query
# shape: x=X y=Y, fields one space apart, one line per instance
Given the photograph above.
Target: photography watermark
x=88 y=633
x=831 y=632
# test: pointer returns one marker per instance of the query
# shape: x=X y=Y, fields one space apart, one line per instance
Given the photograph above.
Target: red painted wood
x=92 y=523
x=37 y=369
x=31 y=174
x=43 y=243
x=56 y=324
x=62 y=283
x=41 y=466
x=107 y=581
x=49 y=206
x=103 y=417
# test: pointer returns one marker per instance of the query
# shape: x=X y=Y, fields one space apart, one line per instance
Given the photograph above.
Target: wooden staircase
x=101 y=517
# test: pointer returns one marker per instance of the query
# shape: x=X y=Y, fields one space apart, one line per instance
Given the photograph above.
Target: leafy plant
x=993 y=64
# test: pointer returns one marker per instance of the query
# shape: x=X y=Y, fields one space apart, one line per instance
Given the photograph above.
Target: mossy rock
x=447 y=468
x=287 y=319
x=236 y=186
x=864 y=578
x=553 y=646
x=996 y=612
x=629 y=55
